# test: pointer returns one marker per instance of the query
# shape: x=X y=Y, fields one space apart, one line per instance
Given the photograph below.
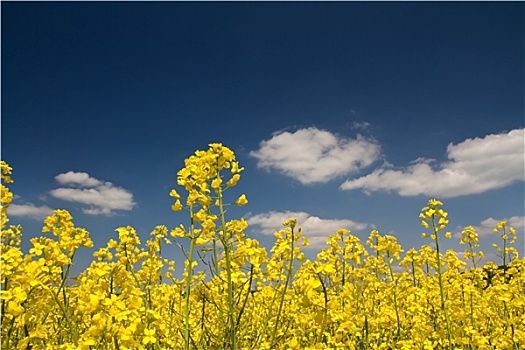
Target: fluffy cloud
x=474 y=166
x=29 y=210
x=315 y=156
x=74 y=178
x=317 y=230
x=103 y=198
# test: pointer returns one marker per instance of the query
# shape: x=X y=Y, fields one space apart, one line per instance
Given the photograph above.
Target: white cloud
x=74 y=178
x=29 y=210
x=317 y=230
x=474 y=166
x=315 y=156
x=102 y=197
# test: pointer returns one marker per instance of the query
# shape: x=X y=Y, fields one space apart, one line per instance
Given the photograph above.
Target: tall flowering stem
x=226 y=240
x=438 y=220
x=290 y=226
x=203 y=172
x=508 y=251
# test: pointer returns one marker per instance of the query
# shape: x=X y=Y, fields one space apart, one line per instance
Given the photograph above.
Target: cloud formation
x=317 y=230
x=103 y=198
x=74 y=178
x=315 y=156
x=474 y=166
x=30 y=211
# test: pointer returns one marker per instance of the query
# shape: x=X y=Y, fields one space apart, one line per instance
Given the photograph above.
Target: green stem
x=325 y=313
x=2 y=310
x=247 y=295
x=504 y=252
x=74 y=333
x=269 y=309
x=413 y=274
x=395 y=297
x=288 y=278
x=189 y=274
x=226 y=242
x=440 y=279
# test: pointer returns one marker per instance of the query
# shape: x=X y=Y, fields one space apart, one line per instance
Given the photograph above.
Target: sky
x=344 y=114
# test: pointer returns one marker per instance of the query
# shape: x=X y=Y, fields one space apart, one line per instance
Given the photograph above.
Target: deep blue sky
x=339 y=110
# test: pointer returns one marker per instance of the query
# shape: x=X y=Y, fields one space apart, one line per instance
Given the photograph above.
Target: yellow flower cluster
x=234 y=294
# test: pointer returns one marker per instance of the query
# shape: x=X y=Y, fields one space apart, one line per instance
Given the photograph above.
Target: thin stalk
x=288 y=278
x=247 y=295
x=440 y=279
x=325 y=313
x=2 y=311
x=413 y=273
x=395 y=297
x=268 y=316
x=74 y=333
x=504 y=251
x=188 y=283
x=226 y=242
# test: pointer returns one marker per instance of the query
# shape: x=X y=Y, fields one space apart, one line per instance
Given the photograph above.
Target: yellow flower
x=501 y=224
x=177 y=206
x=15 y=308
x=241 y=200
x=235 y=168
x=233 y=181
x=216 y=184
x=149 y=336
x=434 y=202
x=179 y=231
x=200 y=216
x=201 y=241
